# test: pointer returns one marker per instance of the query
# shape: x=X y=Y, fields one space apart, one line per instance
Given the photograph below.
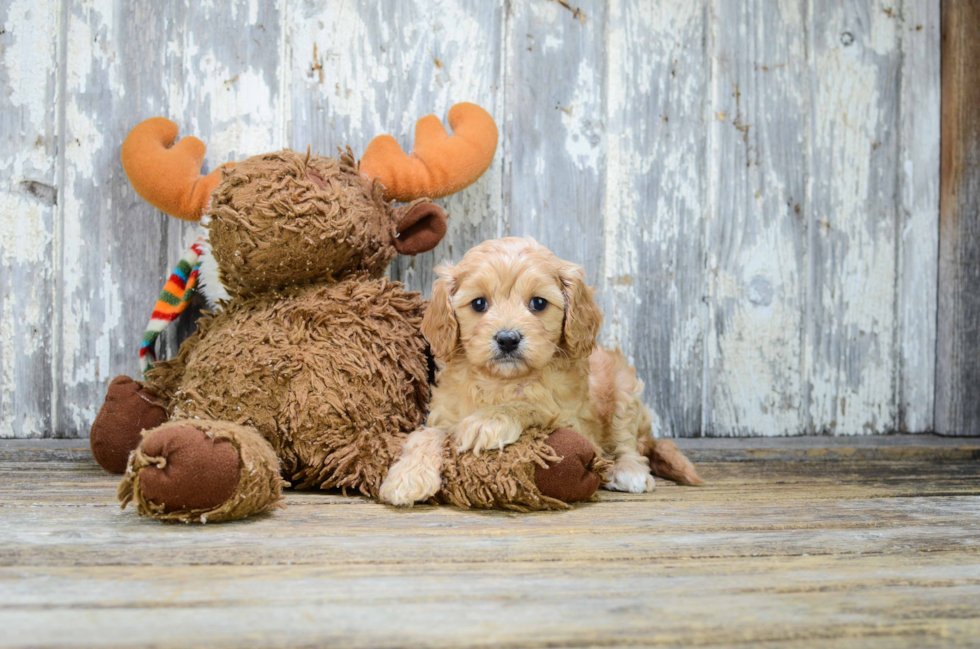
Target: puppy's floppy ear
x=582 y=316
x=439 y=324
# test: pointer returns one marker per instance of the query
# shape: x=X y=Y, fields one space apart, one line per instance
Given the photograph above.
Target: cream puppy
x=513 y=330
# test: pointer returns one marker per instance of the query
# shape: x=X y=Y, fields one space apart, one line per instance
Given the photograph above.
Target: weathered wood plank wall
x=958 y=345
x=753 y=187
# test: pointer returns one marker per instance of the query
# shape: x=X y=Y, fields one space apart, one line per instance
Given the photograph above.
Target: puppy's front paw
x=409 y=482
x=631 y=476
x=478 y=433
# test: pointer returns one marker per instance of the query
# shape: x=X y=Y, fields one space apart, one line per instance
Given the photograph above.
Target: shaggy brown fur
x=284 y=219
x=333 y=375
x=503 y=479
x=316 y=355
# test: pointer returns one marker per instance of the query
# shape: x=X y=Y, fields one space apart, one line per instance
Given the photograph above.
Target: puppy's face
x=509 y=307
x=510 y=310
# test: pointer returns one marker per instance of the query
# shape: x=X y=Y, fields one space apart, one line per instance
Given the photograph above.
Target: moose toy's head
x=287 y=218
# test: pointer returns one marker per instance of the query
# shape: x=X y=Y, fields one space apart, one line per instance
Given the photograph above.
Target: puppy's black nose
x=508 y=340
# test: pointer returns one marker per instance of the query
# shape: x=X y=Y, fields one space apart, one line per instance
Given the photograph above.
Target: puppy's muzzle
x=508 y=343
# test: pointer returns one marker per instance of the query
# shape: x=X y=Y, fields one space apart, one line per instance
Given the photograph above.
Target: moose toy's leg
x=535 y=473
x=194 y=470
x=129 y=409
x=539 y=471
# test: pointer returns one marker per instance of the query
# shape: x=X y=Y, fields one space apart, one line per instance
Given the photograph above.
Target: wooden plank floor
x=870 y=553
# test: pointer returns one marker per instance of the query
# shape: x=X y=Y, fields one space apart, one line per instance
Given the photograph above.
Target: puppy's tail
x=667 y=461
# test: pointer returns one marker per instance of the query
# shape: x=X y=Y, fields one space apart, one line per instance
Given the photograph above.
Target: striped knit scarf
x=176 y=295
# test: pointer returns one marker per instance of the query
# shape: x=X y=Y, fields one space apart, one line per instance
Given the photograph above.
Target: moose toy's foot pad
x=202 y=471
x=189 y=469
x=573 y=478
x=129 y=409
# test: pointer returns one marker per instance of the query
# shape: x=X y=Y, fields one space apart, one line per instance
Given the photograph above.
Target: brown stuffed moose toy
x=312 y=369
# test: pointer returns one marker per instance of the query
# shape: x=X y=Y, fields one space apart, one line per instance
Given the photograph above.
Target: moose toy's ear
x=439 y=164
x=421 y=225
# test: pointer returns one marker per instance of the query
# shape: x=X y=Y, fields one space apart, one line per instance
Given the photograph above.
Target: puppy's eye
x=538 y=304
x=479 y=304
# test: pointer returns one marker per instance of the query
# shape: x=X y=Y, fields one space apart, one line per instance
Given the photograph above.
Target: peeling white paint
x=919 y=244
x=381 y=72
x=619 y=294
x=28 y=78
x=82 y=416
x=91 y=46
x=111 y=314
x=753 y=380
x=584 y=135
x=652 y=195
x=332 y=42
x=552 y=43
x=852 y=370
x=620 y=252
x=243 y=109
x=24 y=233
x=8 y=335
x=34 y=29
x=627 y=118
x=84 y=142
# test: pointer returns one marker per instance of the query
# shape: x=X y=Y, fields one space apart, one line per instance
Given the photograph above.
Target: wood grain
x=957 y=357
x=756 y=248
x=918 y=243
x=112 y=245
x=624 y=146
x=653 y=280
x=30 y=47
x=792 y=554
x=555 y=128
x=854 y=157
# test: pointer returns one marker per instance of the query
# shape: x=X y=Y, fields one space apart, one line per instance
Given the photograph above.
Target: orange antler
x=439 y=164
x=168 y=177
